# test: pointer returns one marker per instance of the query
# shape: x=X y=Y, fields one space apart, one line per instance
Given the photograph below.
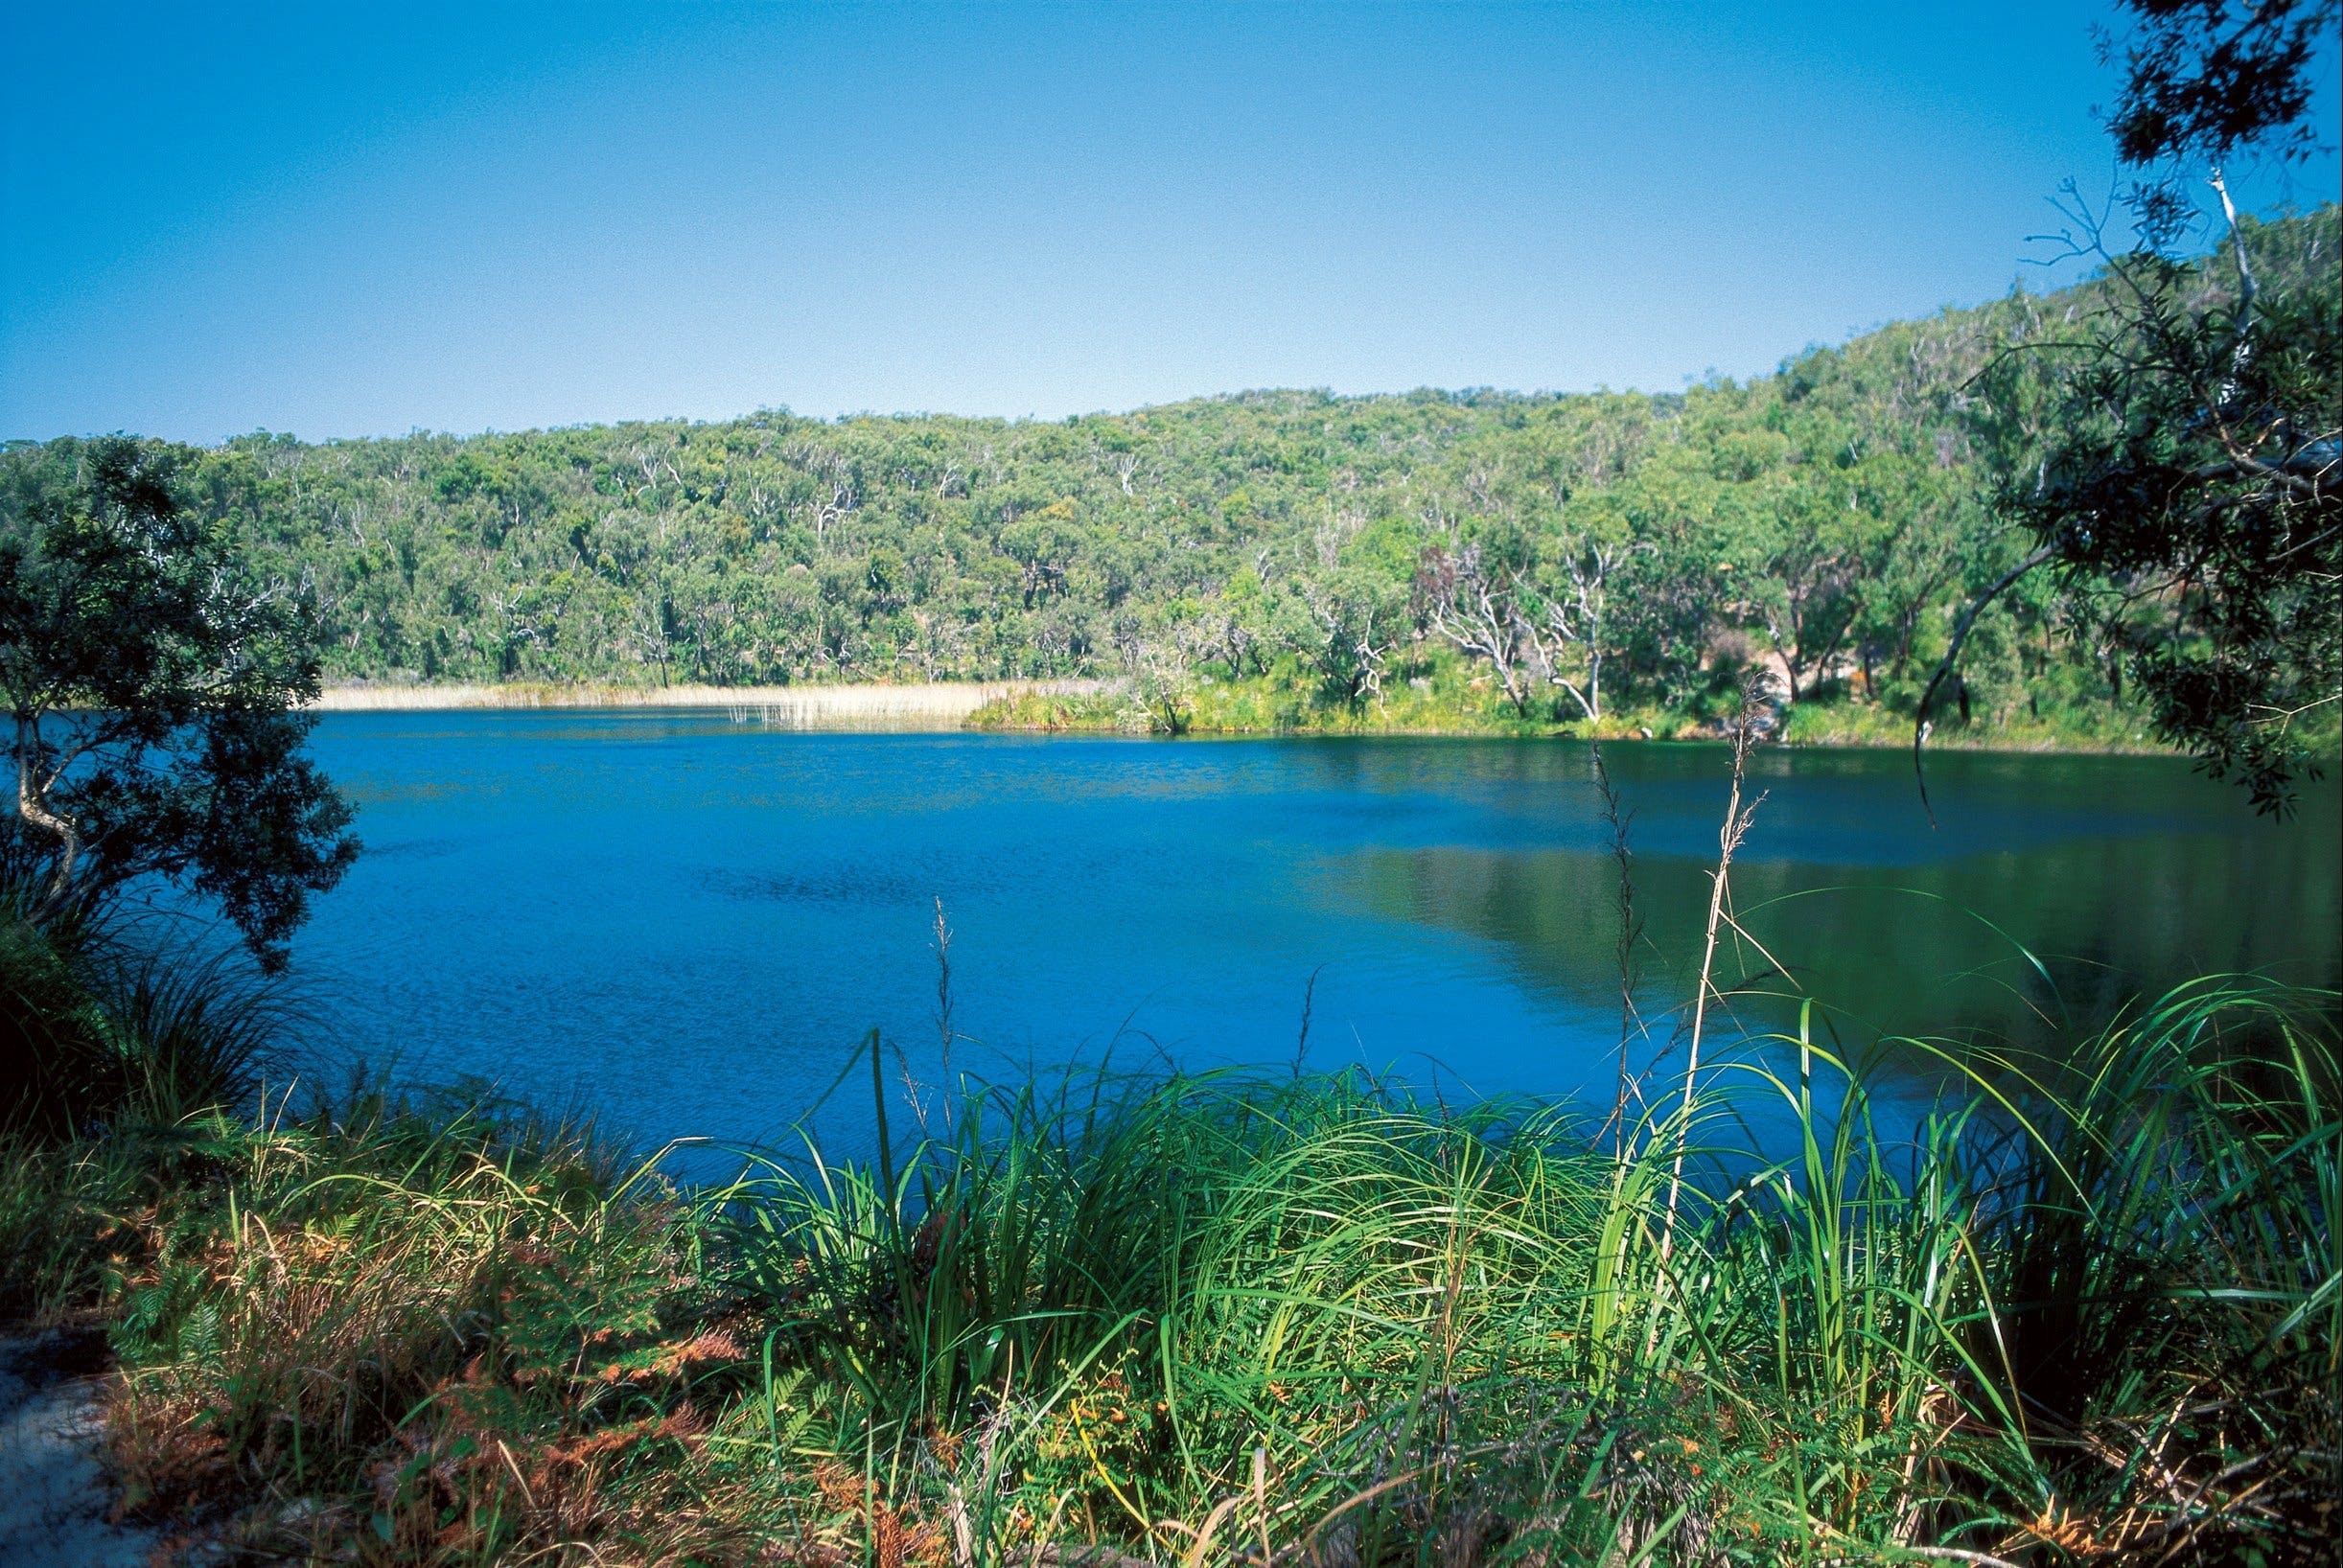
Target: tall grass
x=2085 y=1310
x=103 y=1018
x=2088 y=1310
x=1323 y=1312
x=939 y=705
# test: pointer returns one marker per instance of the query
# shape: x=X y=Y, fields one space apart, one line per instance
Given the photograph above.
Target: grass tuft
x=2089 y=1311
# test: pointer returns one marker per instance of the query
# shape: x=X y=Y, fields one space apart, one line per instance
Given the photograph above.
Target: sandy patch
x=56 y=1497
x=943 y=705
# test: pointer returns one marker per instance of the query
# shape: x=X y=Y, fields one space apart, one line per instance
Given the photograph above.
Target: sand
x=56 y=1498
x=933 y=705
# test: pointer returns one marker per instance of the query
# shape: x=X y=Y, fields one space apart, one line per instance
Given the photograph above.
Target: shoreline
x=1832 y=743
x=1936 y=744
x=949 y=706
x=514 y=1352
x=939 y=705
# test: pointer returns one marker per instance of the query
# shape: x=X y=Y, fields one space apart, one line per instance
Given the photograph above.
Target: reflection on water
x=1957 y=945
x=688 y=923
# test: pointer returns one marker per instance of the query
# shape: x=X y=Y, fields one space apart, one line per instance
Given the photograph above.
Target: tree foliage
x=152 y=684
x=1828 y=523
x=2175 y=444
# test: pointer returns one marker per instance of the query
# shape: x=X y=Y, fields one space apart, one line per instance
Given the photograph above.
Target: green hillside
x=1447 y=559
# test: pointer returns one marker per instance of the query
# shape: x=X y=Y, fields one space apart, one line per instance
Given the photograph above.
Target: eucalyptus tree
x=1343 y=618
x=1535 y=610
x=1577 y=609
x=1474 y=594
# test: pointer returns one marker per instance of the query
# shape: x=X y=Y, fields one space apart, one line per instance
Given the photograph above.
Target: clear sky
x=351 y=218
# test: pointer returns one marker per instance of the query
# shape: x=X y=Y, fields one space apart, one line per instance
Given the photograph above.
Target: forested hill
x=1574 y=551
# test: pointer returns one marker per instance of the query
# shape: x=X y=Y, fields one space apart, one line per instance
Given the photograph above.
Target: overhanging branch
x=1952 y=651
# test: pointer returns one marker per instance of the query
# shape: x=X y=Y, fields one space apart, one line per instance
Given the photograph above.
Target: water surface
x=686 y=923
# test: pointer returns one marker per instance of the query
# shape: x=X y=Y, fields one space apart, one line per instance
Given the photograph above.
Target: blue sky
x=360 y=220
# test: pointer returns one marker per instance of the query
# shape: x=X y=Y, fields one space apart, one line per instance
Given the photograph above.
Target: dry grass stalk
x=1730 y=835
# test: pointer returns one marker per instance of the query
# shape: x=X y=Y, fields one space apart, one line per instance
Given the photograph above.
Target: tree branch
x=1960 y=634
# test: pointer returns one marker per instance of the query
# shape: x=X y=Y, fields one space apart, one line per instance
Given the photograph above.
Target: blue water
x=685 y=925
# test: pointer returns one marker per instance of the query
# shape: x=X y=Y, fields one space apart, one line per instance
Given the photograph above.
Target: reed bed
x=943 y=705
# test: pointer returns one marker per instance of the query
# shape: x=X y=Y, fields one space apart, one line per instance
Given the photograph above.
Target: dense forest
x=1549 y=558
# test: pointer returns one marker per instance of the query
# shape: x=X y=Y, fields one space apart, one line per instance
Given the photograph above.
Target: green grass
x=100 y=1020
x=1845 y=722
x=1450 y=697
x=2093 y=1308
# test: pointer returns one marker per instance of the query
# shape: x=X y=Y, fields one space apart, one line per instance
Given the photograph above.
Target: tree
x=1936 y=530
x=2189 y=483
x=1577 y=613
x=1343 y=623
x=1161 y=649
x=152 y=686
x=1343 y=609
x=1474 y=601
x=1808 y=595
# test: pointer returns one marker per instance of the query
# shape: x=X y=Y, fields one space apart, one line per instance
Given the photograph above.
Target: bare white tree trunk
x=1576 y=618
x=1483 y=619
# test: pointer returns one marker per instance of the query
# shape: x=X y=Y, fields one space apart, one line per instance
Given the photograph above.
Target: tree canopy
x=1830 y=522
x=152 y=680
x=2175 y=446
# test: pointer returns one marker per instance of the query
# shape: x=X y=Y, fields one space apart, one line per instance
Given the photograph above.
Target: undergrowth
x=1452 y=700
x=1247 y=1316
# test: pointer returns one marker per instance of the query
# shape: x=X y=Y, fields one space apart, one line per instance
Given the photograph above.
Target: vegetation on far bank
x=1447 y=699
x=1450 y=697
x=938 y=704
x=1832 y=519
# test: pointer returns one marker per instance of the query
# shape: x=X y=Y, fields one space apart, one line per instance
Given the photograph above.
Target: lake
x=685 y=924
